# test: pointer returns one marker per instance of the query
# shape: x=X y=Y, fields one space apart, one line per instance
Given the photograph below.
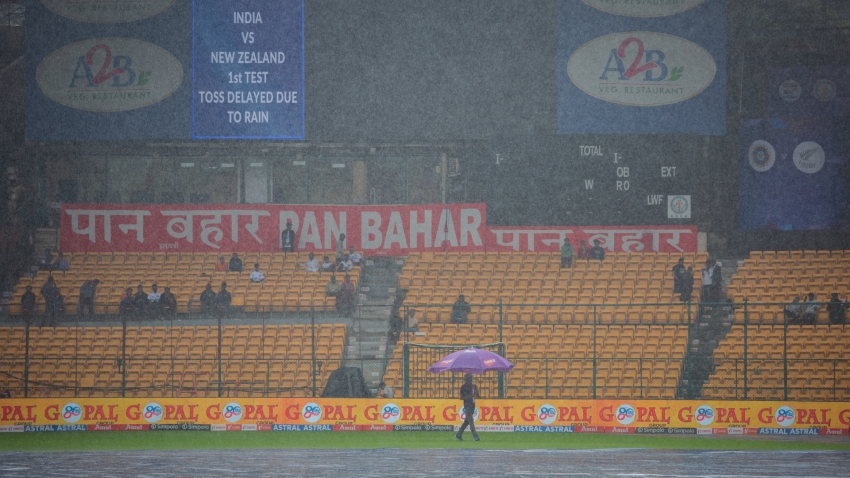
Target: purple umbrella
x=472 y=360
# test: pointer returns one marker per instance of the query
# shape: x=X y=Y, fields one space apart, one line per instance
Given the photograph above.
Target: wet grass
x=179 y=440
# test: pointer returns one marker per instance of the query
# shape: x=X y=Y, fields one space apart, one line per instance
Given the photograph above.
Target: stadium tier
x=537 y=278
x=817 y=364
x=556 y=361
x=769 y=276
x=286 y=287
x=256 y=360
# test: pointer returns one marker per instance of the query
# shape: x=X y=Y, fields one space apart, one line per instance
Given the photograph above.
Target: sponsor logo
x=390 y=413
x=762 y=156
x=489 y=362
x=99 y=428
x=153 y=412
x=641 y=69
x=809 y=157
x=643 y=9
x=166 y=426
x=72 y=412
x=423 y=428
x=377 y=428
x=12 y=429
x=109 y=74
x=116 y=428
x=705 y=431
x=679 y=207
x=834 y=431
x=194 y=427
x=705 y=415
x=625 y=414
x=311 y=412
x=788 y=431
x=218 y=428
x=264 y=427
x=824 y=90
x=735 y=431
x=619 y=430
x=107 y=11
x=302 y=428
x=544 y=429
x=346 y=428
x=584 y=429
x=234 y=428
x=462 y=415
x=492 y=428
x=784 y=416
x=681 y=431
x=232 y=412
x=790 y=91
x=55 y=428
x=650 y=431
x=547 y=414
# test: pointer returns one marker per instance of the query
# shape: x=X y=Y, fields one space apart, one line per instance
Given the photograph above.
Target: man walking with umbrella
x=468 y=393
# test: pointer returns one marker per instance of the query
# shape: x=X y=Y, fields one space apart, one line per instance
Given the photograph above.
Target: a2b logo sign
x=653 y=67
x=121 y=73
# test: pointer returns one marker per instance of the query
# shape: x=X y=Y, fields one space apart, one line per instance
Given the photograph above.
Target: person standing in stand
x=468 y=393
x=287 y=238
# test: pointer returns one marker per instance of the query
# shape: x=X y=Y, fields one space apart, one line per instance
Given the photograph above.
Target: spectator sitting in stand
x=28 y=307
x=810 y=315
x=412 y=321
x=221 y=266
x=460 y=310
x=384 y=391
x=583 y=251
x=597 y=252
x=355 y=257
x=128 y=302
x=235 y=264
x=61 y=263
x=836 y=308
x=327 y=265
x=207 y=300
x=168 y=302
x=794 y=311
x=678 y=276
x=333 y=287
x=87 y=293
x=312 y=264
x=566 y=254
x=4 y=393
x=345 y=264
x=153 y=300
x=256 y=274
x=222 y=300
x=46 y=262
x=141 y=300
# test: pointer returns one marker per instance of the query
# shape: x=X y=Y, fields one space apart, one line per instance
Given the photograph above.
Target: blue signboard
x=794 y=175
x=642 y=67
x=248 y=69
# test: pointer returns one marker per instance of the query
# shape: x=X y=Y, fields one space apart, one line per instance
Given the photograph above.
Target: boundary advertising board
x=655 y=417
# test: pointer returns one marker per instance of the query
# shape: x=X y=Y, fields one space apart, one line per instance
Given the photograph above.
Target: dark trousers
x=469 y=421
x=85 y=304
x=566 y=262
x=707 y=294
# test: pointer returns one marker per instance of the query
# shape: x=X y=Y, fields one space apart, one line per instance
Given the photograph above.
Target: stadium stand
x=556 y=361
x=287 y=286
x=256 y=360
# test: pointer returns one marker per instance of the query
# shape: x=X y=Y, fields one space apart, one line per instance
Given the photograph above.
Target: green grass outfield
x=179 y=440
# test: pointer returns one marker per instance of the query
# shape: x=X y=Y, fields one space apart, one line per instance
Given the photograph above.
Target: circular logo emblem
x=679 y=204
x=824 y=90
x=474 y=415
x=152 y=412
x=785 y=416
x=546 y=414
x=72 y=412
x=390 y=413
x=625 y=414
x=790 y=91
x=311 y=412
x=705 y=415
x=232 y=412
x=761 y=155
x=809 y=157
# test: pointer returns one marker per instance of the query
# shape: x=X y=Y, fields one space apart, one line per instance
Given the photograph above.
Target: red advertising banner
x=376 y=230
